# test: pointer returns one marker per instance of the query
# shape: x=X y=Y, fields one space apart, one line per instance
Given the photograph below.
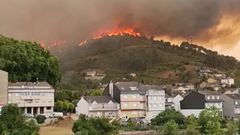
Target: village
x=126 y=101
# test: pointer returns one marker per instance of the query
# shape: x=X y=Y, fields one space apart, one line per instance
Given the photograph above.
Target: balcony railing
x=104 y=107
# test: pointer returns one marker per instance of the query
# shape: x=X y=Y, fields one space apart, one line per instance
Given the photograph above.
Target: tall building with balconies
x=32 y=98
x=155 y=101
x=137 y=100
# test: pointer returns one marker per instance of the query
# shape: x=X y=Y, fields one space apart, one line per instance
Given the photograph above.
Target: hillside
x=155 y=62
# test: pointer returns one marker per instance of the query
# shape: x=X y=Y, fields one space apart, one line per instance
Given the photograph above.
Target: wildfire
x=114 y=32
x=52 y=44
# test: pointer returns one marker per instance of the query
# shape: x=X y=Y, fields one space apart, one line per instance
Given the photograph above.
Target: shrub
x=41 y=119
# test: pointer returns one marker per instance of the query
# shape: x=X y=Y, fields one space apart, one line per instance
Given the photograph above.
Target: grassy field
x=63 y=127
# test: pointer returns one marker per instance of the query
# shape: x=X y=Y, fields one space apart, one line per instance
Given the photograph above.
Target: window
x=134 y=105
x=17 y=94
x=208 y=97
x=236 y=103
x=218 y=97
x=48 y=108
x=213 y=97
x=125 y=104
x=154 y=98
x=150 y=105
x=41 y=110
x=160 y=98
x=154 y=105
x=29 y=110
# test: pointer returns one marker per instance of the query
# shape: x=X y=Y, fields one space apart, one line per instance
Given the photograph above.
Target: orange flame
x=114 y=32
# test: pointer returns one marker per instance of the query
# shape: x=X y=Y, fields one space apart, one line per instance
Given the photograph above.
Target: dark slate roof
x=135 y=87
x=193 y=100
x=234 y=96
x=99 y=99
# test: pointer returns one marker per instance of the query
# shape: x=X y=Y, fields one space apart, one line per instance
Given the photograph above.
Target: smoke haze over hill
x=211 y=22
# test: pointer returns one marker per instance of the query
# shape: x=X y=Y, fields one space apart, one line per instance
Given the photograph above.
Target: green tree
x=97 y=92
x=93 y=126
x=28 y=61
x=66 y=105
x=209 y=121
x=40 y=119
x=59 y=105
x=232 y=128
x=192 y=126
x=12 y=122
x=71 y=107
x=168 y=115
x=169 y=128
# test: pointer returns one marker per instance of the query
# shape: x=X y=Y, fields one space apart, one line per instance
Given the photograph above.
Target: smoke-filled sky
x=215 y=23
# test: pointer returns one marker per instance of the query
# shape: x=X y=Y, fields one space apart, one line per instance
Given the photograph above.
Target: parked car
x=57 y=114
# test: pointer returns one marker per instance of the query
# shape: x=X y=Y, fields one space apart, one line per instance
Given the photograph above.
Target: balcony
x=104 y=107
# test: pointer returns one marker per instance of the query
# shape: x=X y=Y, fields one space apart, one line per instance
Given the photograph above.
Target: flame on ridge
x=115 y=32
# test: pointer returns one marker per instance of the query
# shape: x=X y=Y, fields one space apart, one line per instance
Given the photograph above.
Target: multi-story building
x=3 y=88
x=137 y=100
x=98 y=106
x=195 y=102
x=231 y=105
x=32 y=98
x=155 y=101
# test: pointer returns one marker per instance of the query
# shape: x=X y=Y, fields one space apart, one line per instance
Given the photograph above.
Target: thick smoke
x=75 y=20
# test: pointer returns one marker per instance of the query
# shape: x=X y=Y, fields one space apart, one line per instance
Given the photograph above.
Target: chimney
x=111 y=88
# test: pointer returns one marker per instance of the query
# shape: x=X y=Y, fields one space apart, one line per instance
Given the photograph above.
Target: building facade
x=176 y=102
x=155 y=102
x=227 y=81
x=3 y=88
x=32 y=98
x=195 y=102
x=137 y=100
x=98 y=106
x=231 y=105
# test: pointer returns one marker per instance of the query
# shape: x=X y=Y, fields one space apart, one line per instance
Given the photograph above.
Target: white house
x=195 y=102
x=176 y=102
x=98 y=106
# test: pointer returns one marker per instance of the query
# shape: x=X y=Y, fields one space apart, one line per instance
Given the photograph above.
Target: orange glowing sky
x=224 y=37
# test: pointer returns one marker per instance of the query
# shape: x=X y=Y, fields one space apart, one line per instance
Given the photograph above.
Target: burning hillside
x=114 y=32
